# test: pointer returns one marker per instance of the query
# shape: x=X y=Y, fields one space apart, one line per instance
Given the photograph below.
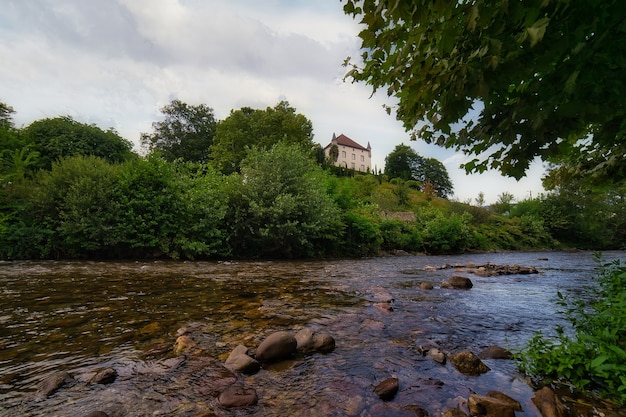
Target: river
x=84 y=316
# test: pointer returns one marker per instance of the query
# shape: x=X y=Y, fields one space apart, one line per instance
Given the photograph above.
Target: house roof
x=346 y=141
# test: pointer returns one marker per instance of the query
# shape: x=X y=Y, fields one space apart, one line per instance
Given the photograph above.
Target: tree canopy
x=61 y=137
x=248 y=127
x=186 y=132
x=506 y=82
x=404 y=163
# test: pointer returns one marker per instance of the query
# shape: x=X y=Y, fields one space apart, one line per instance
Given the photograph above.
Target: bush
x=594 y=356
x=451 y=234
x=398 y=234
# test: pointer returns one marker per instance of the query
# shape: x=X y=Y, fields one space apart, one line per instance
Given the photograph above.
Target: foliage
x=361 y=236
x=594 y=356
x=397 y=234
x=401 y=162
x=504 y=81
x=406 y=164
x=584 y=216
x=61 y=137
x=431 y=171
x=247 y=128
x=279 y=205
x=504 y=204
x=6 y=116
x=186 y=132
x=445 y=234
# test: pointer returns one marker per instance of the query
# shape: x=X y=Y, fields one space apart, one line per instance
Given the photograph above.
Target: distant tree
x=6 y=116
x=246 y=128
x=504 y=81
x=404 y=163
x=186 y=132
x=61 y=137
x=480 y=200
x=504 y=204
x=401 y=163
x=15 y=157
x=432 y=171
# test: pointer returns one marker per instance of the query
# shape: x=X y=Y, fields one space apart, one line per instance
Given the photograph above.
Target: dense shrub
x=593 y=357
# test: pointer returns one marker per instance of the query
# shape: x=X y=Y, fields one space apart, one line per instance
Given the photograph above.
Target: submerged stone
x=238 y=397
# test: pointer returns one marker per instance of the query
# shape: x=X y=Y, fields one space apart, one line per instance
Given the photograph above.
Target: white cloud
x=116 y=62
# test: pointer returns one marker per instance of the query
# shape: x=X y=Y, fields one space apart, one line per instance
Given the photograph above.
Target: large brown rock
x=239 y=361
x=458 y=282
x=468 y=363
x=548 y=403
x=276 y=347
x=387 y=389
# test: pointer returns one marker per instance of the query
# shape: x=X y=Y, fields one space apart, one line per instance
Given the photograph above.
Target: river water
x=81 y=317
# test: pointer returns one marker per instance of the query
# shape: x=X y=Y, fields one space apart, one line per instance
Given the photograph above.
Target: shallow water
x=84 y=316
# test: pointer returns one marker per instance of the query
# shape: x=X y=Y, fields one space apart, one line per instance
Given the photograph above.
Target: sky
x=115 y=63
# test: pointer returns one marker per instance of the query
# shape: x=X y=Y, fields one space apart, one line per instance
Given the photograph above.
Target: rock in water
x=458 y=282
x=51 y=384
x=548 y=403
x=239 y=361
x=481 y=405
x=495 y=352
x=237 y=397
x=277 y=346
x=323 y=343
x=105 y=376
x=387 y=389
x=304 y=339
x=468 y=363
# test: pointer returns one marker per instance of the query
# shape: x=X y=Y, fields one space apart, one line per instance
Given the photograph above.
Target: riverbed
x=80 y=317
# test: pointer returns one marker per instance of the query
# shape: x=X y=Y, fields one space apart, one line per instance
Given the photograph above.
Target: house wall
x=357 y=159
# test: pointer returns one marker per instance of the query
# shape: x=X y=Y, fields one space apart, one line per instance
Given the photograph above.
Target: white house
x=350 y=154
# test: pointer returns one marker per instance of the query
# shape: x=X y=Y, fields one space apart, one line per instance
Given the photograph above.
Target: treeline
x=73 y=191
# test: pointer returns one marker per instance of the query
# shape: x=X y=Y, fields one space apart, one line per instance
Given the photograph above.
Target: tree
x=504 y=81
x=6 y=116
x=61 y=137
x=186 y=132
x=401 y=162
x=247 y=127
x=404 y=163
x=432 y=171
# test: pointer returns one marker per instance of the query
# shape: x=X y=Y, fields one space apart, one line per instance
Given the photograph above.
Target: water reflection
x=82 y=316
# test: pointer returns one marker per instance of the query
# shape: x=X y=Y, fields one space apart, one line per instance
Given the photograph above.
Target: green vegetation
x=260 y=190
x=504 y=81
x=594 y=356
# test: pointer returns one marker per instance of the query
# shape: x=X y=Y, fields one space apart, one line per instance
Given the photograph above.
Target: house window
x=343 y=154
x=353 y=157
x=362 y=168
x=352 y=165
x=362 y=158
